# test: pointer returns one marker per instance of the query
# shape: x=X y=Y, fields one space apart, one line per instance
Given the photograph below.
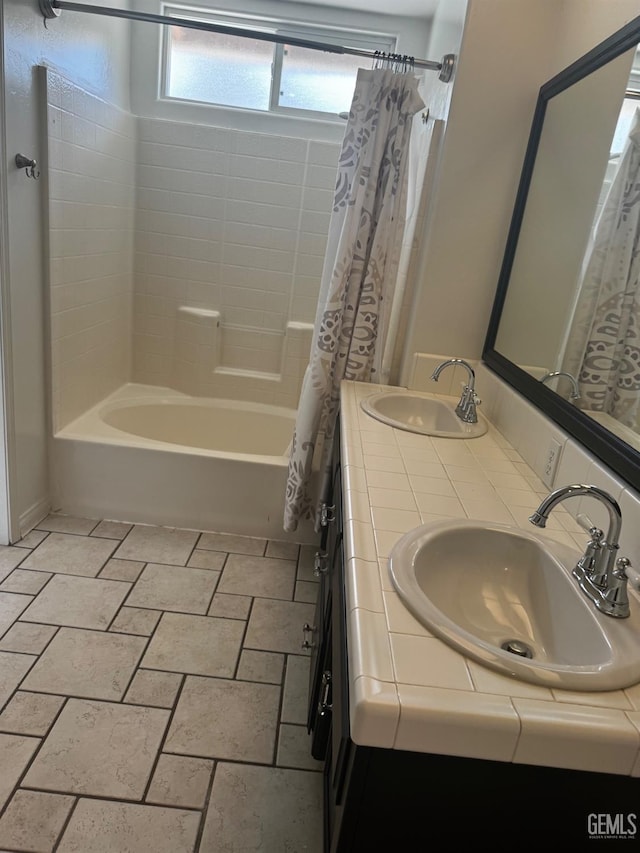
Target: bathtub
x=152 y=455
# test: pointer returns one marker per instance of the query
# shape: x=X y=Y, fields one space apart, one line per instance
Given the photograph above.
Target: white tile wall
x=236 y=222
x=148 y=216
x=91 y=150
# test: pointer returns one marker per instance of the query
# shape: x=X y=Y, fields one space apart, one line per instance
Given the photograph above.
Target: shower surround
x=182 y=256
x=149 y=216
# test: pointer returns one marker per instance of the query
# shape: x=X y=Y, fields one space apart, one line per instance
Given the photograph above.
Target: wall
x=235 y=222
x=93 y=52
x=91 y=173
x=509 y=48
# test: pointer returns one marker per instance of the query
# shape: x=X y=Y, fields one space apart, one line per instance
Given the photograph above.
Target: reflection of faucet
x=600 y=576
x=575 y=393
x=466 y=408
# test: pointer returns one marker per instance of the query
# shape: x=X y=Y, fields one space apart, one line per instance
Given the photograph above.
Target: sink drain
x=517 y=647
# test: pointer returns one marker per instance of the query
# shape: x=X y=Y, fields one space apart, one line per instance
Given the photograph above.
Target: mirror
x=566 y=301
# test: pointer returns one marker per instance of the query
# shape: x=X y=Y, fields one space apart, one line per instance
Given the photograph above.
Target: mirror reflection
x=571 y=315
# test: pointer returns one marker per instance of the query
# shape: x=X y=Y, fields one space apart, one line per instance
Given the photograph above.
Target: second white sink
x=422 y=413
x=498 y=593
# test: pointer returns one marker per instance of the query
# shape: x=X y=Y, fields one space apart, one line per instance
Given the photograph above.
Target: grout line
x=66 y=822
x=163 y=741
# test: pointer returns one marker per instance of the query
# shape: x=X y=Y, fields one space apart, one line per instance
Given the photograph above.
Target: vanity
x=419 y=739
x=413 y=733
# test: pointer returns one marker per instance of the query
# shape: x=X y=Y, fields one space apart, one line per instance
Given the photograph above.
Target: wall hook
x=28 y=165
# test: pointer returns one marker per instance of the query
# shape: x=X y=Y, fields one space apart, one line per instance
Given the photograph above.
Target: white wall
x=509 y=49
x=91 y=174
x=235 y=222
x=94 y=52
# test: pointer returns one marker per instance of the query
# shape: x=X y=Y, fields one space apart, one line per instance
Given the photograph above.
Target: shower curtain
x=361 y=264
x=604 y=343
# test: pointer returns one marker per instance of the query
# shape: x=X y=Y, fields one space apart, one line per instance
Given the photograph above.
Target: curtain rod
x=52 y=8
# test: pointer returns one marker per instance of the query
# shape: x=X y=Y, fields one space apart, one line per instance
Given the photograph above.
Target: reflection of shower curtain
x=361 y=263
x=604 y=342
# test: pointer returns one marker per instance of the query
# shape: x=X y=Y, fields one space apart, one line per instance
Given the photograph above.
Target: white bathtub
x=155 y=456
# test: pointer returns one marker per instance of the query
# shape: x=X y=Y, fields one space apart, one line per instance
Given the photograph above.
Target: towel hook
x=28 y=165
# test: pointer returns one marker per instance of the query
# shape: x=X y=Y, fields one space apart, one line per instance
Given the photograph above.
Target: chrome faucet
x=466 y=408
x=600 y=575
x=575 y=393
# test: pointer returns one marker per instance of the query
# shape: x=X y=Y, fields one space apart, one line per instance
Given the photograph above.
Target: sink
x=497 y=593
x=421 y=412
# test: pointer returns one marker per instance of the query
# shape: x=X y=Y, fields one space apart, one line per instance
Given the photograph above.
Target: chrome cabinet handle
x=324 y=705
x=320 y=563
x=327 y=514
x=308 y=629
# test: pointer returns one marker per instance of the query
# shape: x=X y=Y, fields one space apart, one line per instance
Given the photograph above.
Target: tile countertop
x=411 y=691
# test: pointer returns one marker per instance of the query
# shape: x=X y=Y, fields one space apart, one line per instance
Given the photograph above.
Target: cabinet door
x=320 y=631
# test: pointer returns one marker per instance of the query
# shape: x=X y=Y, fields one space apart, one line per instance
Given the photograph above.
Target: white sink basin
x=422 y=413
x=481 y=586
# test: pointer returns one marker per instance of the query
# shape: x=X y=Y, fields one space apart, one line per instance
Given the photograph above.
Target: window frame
x=360 y=39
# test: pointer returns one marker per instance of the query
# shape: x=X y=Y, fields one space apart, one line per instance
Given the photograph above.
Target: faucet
x=575 y=393
x=600 y=575
x=466 y=408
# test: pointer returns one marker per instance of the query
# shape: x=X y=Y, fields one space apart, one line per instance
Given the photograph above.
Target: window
x=249 y=73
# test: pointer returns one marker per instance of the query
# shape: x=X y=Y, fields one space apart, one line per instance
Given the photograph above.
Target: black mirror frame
x=623 y=459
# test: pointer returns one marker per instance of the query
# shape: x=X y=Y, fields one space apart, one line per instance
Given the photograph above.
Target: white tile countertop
x=408 y=689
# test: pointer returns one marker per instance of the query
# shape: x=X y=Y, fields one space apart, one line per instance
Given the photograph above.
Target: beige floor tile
x=230 y=606
x=294 y=749
x=306 y=591
x=15 y=754
x=34 y=820
x=99 y=748
x=30 y=713
x=232 y=543
x=276 y=626
x=283 y=550
x=135 y=620
x=32 y=539
x=260 y=666
x=258 y=576
x=10 y=557
x=245 y=716
x=112 y=529
x=150 y=687
x=21 y=580
x=70 y=555
x=27 y=637
x=264 y=808
x=12 y=604
x=296 y=688
x=180 y=781
x=201 y=645
x=207 y=560
x=13 y=668
x=174 y=588
x=157 y=545
x=77 y=602
x=94 y=664
x=104 y=827
x=68 y=524
x=122 y=570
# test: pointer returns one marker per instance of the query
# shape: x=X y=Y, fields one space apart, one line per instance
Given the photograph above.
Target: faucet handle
x=590 y=559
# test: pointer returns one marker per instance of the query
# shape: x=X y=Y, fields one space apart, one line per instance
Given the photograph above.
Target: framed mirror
x=565 y=325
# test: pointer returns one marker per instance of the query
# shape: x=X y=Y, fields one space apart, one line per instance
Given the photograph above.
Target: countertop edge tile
x=374 y=712
x=577 y=737
x=455 y=722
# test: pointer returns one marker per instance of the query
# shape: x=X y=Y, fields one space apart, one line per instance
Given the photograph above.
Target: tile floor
x=153 y=692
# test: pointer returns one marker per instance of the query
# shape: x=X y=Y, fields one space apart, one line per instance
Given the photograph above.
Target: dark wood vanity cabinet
x=398 y=801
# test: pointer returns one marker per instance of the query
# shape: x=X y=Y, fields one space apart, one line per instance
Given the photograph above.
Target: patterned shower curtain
x=604 y=343
x=360 y=268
